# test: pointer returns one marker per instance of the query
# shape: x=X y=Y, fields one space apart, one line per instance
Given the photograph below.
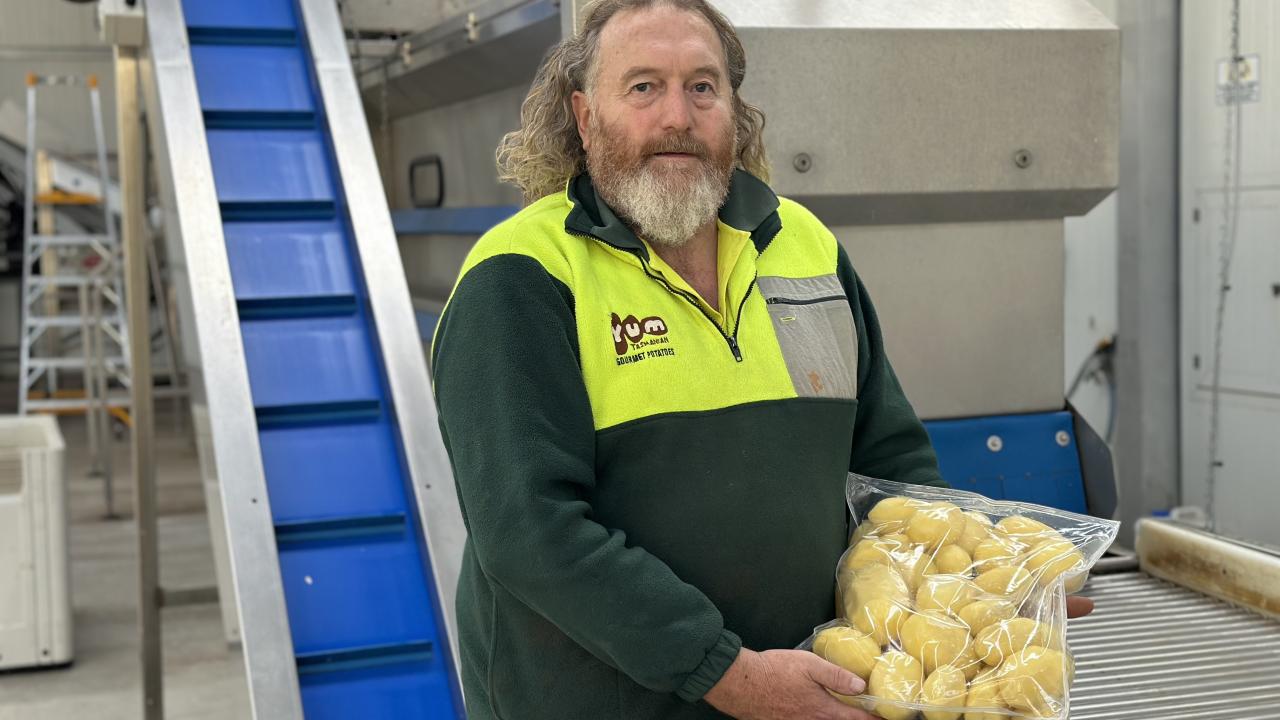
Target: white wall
x=53 y=37
x=1248 y=486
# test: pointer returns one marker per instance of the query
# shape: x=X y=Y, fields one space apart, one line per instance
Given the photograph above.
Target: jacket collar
x=751 y=206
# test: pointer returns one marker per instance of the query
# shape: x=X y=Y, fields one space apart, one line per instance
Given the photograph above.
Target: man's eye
x=643 y=87
x=703 y=87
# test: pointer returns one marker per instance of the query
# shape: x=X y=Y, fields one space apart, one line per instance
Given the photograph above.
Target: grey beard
x=664 y=211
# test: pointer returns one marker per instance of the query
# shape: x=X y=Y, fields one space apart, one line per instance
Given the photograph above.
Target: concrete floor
x=204 y=678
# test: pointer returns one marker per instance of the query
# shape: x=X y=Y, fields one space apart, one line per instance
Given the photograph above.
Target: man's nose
x=677 y=114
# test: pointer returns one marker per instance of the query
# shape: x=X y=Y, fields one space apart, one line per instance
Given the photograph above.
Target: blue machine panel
x=405 y=690
x=278 y=260
x=270 y=165
x=327 y=471
x=364 y=594
x=306 y=361
x=258 y=79
x=357 y=585
x=1030 y=464
x=247 y=16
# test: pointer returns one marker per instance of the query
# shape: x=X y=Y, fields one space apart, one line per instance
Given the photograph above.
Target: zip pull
x=733 y=347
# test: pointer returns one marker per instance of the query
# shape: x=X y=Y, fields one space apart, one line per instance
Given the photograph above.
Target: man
x=652 y=382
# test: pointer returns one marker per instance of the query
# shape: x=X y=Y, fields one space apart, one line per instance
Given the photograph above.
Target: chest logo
x=630 y=333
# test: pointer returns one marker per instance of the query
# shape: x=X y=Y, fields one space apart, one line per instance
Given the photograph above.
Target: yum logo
x=630 y=330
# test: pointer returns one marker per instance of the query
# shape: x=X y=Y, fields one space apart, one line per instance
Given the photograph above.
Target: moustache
x=677 y=144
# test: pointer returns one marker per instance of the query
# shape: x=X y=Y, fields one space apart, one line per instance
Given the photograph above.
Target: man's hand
x=785 y=684
x=1078 y=606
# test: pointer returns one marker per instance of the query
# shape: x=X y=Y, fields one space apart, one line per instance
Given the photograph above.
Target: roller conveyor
x=1156 y=649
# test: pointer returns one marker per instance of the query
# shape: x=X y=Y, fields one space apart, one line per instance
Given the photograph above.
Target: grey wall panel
x=971 y=312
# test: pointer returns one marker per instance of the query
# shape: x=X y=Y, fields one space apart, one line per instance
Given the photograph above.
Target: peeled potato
x=995 y=552
x=1001 y=640
x=879 y=581
x=981 y=614
x=934 y=639
x=1023 y=527
x=847 y=648
x=977 y=527
x=944 y=687
x=948 y=593
x=1010 y=581
x=871 y=551
x=896 y=677
x=915 y=566
x=1035 y=679
x=894 y=510
x=952 y=560
x=936 y=524
x=969 y=663
x=984 y=692
x=880 y=618
x=1052 y=559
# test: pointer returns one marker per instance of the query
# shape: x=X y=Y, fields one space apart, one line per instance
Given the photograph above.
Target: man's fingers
x=833 y=677
x=1078 y=606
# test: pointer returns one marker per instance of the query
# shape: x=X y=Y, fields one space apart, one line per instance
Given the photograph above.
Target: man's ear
x=582 y=113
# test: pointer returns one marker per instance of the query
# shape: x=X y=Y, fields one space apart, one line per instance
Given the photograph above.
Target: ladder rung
x=75 y=403
x=61 y=197
x=72 y=281
x=62 y=321
x=65 y=363
x=68 y=240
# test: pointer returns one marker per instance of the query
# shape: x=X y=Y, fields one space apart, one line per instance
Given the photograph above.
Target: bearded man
x=652 y=382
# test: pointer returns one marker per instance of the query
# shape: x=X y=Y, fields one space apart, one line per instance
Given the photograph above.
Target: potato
x=878 y=581
x=894 y=510
x=984 y=692
x=981 y=614
x=977 y=527
x=896 y=677
x=1052 y=559
x=915 y=566
x=952 y=560
x=1001 y=640
x=948 y=593
x=1024 y=528
x=934 y=639
x=847 y=648
x=881 y=619
x=871 y=551
x=944 y=687
x=936 y=524
x=901 y=542
x=864 y=530
x=1035 y=679
x=969 y=663
x=1010 y=581
x=995 y=552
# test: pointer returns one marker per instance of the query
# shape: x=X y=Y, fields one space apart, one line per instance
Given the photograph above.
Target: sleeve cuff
x=717 y=661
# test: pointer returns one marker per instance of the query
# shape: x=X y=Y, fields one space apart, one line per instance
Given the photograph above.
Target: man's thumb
x=835 y=678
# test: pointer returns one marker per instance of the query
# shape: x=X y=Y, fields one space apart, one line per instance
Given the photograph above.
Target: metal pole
x=132 y=213
x=98 y=401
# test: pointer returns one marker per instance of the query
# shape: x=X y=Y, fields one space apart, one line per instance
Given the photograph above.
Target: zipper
x=791 y=301
x=730 y=339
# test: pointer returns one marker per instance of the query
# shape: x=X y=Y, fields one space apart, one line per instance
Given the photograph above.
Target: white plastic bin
x=35 y=579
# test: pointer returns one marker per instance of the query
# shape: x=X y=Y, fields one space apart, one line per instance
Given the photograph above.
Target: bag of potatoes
x=954 y=605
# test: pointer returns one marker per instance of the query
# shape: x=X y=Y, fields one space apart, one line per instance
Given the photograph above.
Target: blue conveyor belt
x=356 y=581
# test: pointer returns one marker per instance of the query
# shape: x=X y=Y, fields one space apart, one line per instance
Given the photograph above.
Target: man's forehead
x=635 y=39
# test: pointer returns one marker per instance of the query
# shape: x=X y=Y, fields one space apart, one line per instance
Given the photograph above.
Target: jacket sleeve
x=889 y=441
x=518 y=426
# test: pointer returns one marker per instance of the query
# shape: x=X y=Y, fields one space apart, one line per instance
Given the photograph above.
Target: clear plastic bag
x=954 y=605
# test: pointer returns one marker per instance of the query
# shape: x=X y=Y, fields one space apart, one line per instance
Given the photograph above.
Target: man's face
x=658 y=126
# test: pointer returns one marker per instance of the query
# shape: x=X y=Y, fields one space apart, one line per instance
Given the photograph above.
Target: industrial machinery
x=344 y=531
